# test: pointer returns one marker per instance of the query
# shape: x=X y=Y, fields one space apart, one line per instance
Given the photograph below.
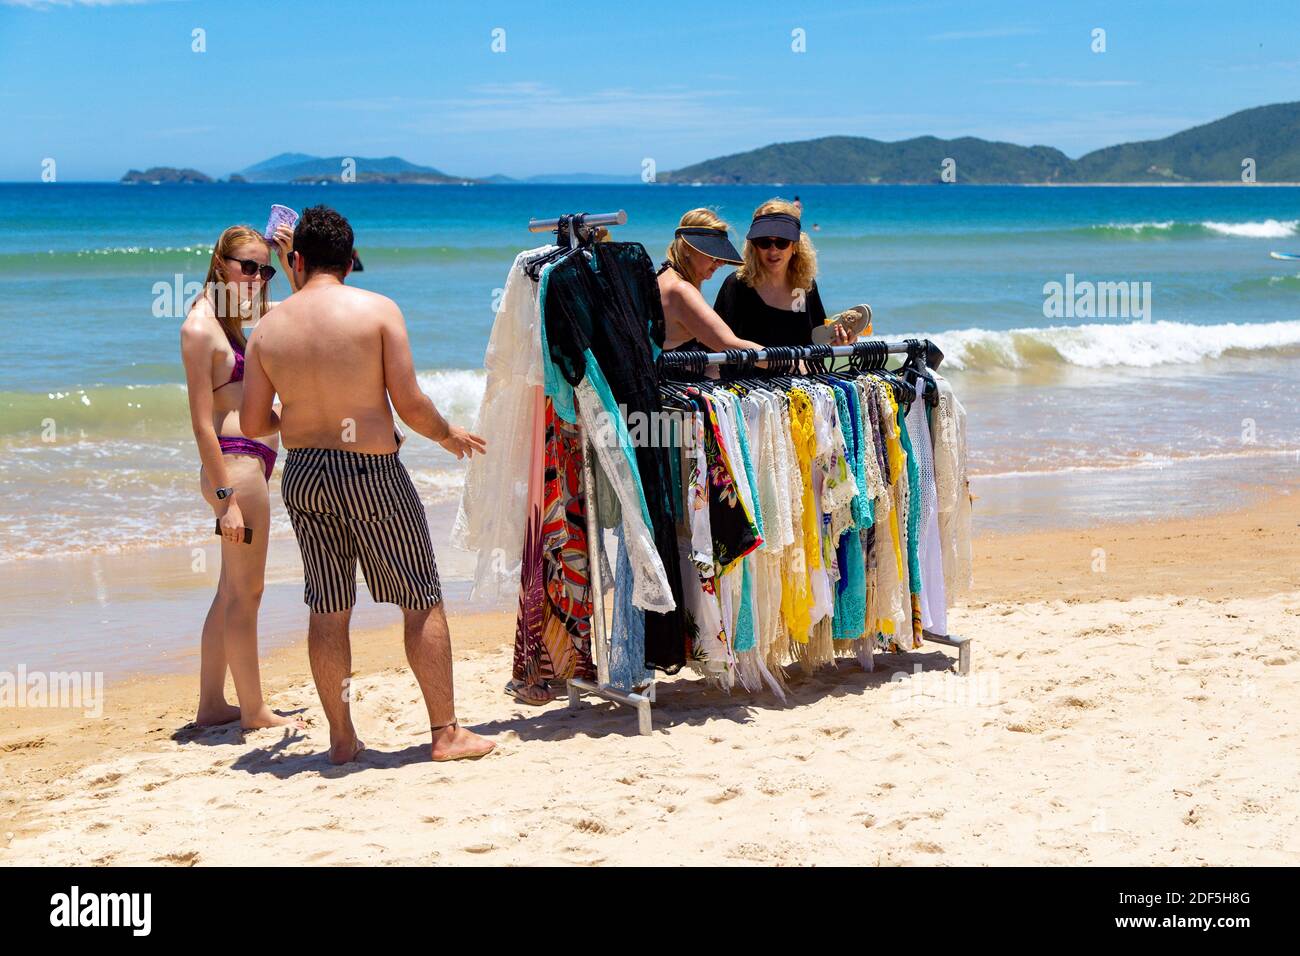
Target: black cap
x=710 y=242
x=778 y=225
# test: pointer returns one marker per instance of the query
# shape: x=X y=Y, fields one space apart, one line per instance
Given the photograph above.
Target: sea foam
x=1134 y=344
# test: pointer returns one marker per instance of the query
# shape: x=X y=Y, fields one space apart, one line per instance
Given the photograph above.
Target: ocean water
x=1074 y=417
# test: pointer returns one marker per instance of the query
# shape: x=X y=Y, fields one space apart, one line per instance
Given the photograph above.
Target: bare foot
x=266 y=718
x=345 y=751
x=454 y=742
x=222 y=713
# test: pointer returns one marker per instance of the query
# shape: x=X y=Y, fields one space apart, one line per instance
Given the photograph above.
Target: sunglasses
x=251 y=267
x=767 y=242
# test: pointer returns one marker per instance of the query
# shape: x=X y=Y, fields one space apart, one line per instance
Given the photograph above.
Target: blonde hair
x=802 y=268
x=678 y=252
x=215 y=283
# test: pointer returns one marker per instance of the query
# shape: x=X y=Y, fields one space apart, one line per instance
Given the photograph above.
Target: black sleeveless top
x=746 y=314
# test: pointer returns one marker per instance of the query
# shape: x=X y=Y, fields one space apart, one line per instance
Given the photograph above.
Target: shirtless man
x=337 y=356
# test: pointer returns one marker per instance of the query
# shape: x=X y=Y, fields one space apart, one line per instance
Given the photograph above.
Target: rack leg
x=952 y=640
x=643 y=717
x=575 y=696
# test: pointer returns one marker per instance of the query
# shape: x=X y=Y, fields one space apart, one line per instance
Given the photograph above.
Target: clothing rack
x=927 y=353
x=570 y=230
x=577 y=225
x=685 y=359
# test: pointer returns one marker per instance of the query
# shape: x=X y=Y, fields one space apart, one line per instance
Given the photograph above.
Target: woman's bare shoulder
x=680 y=292
x=200 y=321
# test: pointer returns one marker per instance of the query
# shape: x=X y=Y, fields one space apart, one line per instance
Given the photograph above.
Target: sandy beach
x=1131 y=705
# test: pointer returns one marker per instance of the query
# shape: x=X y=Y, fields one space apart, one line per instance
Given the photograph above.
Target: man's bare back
x=337 y=356
x=323 y=350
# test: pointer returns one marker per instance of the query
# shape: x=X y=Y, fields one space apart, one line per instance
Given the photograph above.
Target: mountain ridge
x=1210 y=152
x=1214 y=152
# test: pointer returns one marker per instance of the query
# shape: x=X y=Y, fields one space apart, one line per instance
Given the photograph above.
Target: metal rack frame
x=568 y=229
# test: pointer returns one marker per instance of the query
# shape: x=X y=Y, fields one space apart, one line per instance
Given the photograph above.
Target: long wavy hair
x=214 y=286
x=678 y=252
x=802 y=268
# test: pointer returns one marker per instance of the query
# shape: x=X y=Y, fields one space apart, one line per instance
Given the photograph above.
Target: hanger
x=915 y=372
x=567 y=240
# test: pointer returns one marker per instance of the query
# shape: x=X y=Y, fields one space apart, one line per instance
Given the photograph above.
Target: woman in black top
x=772 y=298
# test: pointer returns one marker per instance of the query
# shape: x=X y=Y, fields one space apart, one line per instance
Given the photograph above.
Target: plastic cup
x=280 y=216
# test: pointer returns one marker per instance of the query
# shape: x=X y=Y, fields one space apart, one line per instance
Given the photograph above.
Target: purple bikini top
x=237 y=373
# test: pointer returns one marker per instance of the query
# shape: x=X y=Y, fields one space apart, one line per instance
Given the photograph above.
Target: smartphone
x=248 y=533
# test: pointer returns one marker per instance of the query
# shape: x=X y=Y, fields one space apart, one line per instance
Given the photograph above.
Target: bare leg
x=428 y=650
x=213 y=707
x=243 y=572
x=330 y=649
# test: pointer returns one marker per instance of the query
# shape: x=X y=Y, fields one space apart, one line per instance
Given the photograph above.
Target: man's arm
x=409 y=401
x=256 y=416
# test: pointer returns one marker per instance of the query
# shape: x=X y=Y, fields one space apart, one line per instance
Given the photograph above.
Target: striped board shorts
x=347 y=506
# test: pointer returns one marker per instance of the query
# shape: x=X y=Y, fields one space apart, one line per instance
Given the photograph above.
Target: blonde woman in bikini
x=235 y=470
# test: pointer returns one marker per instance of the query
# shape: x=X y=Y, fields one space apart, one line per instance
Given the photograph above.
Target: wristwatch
x=224 y=493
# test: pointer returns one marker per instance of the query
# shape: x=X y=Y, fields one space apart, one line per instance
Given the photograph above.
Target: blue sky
x=103 y=86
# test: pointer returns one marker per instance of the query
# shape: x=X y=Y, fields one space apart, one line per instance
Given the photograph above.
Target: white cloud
x=992 y=33
x=50 y=4
x=531 y=105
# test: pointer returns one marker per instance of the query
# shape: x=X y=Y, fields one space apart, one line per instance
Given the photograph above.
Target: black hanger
x=915 y=371
x=569 y=237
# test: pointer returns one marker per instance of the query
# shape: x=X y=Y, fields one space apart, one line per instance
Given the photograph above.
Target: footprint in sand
x=184 y=858
x=729 y=794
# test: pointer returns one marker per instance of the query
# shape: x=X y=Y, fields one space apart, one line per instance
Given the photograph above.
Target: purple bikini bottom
x=238 y=445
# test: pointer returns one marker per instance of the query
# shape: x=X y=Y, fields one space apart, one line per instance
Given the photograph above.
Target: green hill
x=1270 y=135
x=1213 y=152
x=856 y=159
x=165 y=174
x=298 y=167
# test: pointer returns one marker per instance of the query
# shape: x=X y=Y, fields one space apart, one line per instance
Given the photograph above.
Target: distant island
x=165 y=174
x=585 y=179
x=1211 y=153
x=1214 y=152
x=301 y=168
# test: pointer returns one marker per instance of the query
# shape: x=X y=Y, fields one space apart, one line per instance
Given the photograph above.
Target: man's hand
x=462 y=443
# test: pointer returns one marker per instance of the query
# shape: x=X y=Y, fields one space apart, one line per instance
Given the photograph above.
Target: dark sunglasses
x=251 y=267
x=767 y=242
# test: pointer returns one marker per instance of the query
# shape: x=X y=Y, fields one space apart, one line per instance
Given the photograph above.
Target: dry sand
x=1147 y=713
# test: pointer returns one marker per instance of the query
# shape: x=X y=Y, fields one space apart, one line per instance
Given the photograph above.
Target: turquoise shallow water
x=78 y=263
x=93 y=278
